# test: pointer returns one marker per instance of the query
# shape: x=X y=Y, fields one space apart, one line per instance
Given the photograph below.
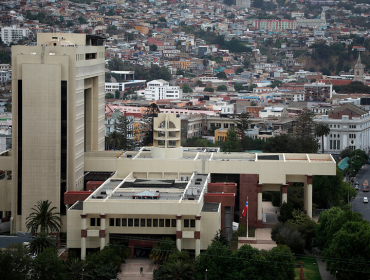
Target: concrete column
x=308 y=196
x=305 y=197
x=284 y=192
x=178 y=232
x=197 y=235
x=83 y=236
x=259 y=202
x=102 y=231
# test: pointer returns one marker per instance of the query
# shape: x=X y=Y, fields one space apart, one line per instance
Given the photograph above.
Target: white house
x=273 y=112
x=161 y=89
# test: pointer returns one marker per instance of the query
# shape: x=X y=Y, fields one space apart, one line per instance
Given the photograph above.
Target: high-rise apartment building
x=58 y=114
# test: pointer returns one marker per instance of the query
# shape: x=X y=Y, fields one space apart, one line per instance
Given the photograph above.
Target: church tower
x=359 y=71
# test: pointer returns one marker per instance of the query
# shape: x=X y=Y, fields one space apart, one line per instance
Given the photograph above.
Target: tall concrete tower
x=58 y=114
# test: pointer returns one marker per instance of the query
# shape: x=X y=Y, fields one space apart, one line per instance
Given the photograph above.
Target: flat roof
x=210 y=207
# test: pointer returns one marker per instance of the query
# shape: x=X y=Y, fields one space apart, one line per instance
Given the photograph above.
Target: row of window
x=131 y=222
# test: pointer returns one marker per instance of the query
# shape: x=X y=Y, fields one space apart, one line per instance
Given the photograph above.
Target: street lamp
x=335 y=276
x=206 y=273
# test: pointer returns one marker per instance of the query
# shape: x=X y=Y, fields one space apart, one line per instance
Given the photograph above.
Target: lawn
x=310 y=268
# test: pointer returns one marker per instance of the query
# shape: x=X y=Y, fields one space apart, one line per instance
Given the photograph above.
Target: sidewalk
x=325 y=275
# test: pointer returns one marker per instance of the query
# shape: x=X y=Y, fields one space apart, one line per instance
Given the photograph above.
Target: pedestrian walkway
x=131 y=269
x=325 y=275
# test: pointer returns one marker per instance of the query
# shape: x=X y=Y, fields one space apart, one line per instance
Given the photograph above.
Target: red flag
x=245 y=208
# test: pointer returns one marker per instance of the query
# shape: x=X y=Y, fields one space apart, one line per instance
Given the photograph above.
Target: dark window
x=155 y=222
x=186 y=223
x=136 y=222
x=173 y=223
x=63 y=145
x=192 y=223
x=98 y=222
x=92 y=222
x=168 y=223
x=161 y=222
x=111 y=222
x=130 y=222
x=124 y=222
x=118 y=222
x=142 y=222
x=148 y=222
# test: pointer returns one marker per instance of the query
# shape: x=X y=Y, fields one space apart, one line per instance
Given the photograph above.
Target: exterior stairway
x=131 y=269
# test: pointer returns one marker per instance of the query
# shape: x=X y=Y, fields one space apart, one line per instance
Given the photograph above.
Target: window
x=155 y=222
x=161 y=222
x=136 y=222
x=186 y=222
x=168 y=223
x=173 y=223
x=92 y=222
x=142 y=222
x=148 y=222
x=192 y=223
x=118 y=222
x=111 y=222
x=130 y=222
x=98 y=222
x=124 y=222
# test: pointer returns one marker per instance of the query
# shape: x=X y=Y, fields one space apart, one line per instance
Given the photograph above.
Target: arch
x=171 y=125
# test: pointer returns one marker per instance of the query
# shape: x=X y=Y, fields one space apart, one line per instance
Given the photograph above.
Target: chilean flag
x=245 y=208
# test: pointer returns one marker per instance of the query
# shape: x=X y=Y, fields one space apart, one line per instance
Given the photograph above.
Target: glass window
x=142 y=222
x=98 y=222
x=92 y=222
x=111 y=222
x=136 y=222
x=192 y=223
x=186 y=223
x=118 y=222
x=124 y=222
x=155 y=222
x=168 y=223
x=173 y=223
x=130 y=222
x=161 y=222
x=148 y=222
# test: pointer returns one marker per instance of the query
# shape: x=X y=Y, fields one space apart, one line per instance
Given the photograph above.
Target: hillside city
x=171 y=95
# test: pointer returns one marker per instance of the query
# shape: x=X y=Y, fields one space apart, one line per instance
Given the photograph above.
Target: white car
x=366 y=200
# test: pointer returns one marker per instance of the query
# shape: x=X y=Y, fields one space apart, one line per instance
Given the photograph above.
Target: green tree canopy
x=186 y=88
x=47 y=266
x=15 y=262
x=221 y=88
x=231 y=143
x=153 y=48
x=209 y=89
x=239 y=70
x=239 y=87
x=221 y=75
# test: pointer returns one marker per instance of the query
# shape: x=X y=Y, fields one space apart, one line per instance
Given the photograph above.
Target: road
x=357 y=204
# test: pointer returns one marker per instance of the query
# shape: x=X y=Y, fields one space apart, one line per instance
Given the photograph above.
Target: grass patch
x=310 y=268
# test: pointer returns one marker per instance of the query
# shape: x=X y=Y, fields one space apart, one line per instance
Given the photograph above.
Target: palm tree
x=43 y=217
x=177 y=270
x=162 y=250
x=75 y=269
x=321 y=130
x=41 y=242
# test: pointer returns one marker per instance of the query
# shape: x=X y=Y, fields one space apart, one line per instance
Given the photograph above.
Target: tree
x=75 y=269
x=283 y=143
x=115 y=64
x=348 y=252
x=239 y=87
x=41 y=242
x=47 y=266
x=325 y=71
x=162 y=250
x=180 y=72
x=221 y=75
x=251 y=87
x=246 y=63
x=153 y=48
x=287 y=235
x=123 y=128
x=177 y=270
x=15 y=262
x=242 y=124
x=82 y=20
x=198 y=83
x=117 y=94
x=114 y=139
x=109 y=96
x=321 y=130
x=231 y=143
x=221 y=238
x=162 y=19
x=150 y=113
x=221 y=88
x=304 y=132
x=186 y=88
x=281 y=264
x=44 y=218
x=239 y=70
x=209 y=89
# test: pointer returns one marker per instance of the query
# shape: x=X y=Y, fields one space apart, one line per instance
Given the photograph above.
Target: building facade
x=13 y=34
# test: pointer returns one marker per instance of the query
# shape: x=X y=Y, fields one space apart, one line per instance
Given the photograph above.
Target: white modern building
x=161 y=89
x=273 y=112
x=13 y=34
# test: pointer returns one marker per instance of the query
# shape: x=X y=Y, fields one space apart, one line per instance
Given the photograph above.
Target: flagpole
x=247 y=218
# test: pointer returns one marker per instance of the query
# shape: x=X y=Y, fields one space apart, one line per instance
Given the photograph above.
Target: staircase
x=131 y=269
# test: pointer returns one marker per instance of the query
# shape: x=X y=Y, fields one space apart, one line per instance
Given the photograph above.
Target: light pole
x=335 y=276
x=206 y=273
x=82 y=274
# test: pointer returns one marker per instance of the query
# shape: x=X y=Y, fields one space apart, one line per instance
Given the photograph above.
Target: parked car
x=357 y=186
x=366 y=200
